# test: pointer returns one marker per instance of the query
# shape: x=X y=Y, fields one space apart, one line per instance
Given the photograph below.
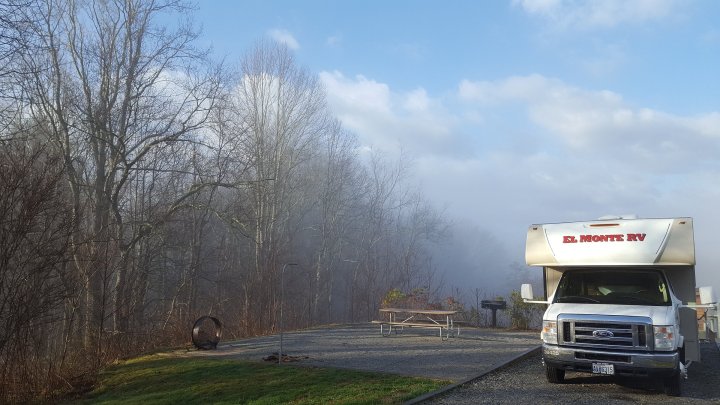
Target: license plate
x=603 y=368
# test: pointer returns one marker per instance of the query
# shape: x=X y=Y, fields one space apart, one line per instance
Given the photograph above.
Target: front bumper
x=626 y=363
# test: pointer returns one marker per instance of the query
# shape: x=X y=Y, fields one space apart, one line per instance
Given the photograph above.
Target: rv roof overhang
x=618 y=242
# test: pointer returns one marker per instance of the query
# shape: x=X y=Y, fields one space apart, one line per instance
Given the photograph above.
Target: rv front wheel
x=554 y=375
x=672 y=384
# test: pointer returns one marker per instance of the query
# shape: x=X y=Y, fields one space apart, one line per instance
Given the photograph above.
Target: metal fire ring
x=206 y=341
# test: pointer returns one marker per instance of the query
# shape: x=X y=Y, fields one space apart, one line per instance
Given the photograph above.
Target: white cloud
x=359 y=93
x=536 y=113
x=514 y=88
x=586 y=121
x=522 y=116
x=284 y=37
x=585 y=14
x=386 y=120
x=417 y=101
x=528 y=149
x=706 y=124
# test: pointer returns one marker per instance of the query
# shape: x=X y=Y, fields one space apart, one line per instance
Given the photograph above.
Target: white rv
x=620 y=295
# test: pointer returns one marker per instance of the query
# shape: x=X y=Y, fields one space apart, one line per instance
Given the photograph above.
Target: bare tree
x=15 y=23
x=114 y=87
x=159 y=193
x=34 y=278
x=335 y=183
x=394 y=234
x=418 y=226
x=15 y=26
x=282 y=112
x=381 y=200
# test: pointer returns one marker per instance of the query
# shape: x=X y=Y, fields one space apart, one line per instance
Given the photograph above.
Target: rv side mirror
x=526 y=292
x=707 y=295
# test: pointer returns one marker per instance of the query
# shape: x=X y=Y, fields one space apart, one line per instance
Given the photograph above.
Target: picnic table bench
x=399 y=318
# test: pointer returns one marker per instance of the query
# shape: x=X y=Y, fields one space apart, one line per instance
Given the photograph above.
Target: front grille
x=606 y=332
x=602 y=357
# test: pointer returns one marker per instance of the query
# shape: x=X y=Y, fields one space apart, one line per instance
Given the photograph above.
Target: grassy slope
x=162 y=379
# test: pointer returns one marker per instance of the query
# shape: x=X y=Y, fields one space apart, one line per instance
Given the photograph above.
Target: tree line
x=144 y=184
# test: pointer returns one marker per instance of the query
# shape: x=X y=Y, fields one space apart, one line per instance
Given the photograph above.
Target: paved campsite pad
x=416 y=352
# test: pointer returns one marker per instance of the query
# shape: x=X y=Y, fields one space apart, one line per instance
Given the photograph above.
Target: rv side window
x=613 y=286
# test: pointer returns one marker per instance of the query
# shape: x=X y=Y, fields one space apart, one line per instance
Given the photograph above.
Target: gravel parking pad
x=420 y=352
x=524 y=382
x=416 y=352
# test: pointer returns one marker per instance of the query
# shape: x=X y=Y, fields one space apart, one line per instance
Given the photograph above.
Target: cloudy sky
x=519 y=111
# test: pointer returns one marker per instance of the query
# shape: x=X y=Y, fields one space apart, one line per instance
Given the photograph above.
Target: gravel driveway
x=416 y=352
x=523 y=382
x=420 y=352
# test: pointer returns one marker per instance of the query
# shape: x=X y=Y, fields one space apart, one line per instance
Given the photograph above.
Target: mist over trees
x=143 y=185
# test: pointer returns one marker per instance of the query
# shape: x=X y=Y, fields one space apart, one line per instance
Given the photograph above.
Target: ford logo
x=603 y=334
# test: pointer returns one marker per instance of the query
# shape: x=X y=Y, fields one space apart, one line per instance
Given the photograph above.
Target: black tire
x=206 y=333
x=672 y=385
x=554 y=375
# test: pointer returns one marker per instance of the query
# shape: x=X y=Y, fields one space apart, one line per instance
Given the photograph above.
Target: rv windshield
x=613 y=286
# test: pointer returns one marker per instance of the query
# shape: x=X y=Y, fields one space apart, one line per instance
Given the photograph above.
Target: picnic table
x=399 y=318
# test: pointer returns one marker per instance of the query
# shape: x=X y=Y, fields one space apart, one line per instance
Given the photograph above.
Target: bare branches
x=34 y=235
x=178 y=192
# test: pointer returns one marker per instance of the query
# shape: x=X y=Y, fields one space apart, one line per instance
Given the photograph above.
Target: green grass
x=163 y=379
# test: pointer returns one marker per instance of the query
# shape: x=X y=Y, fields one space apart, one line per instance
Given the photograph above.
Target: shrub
x=393 y=298
x=522 y=314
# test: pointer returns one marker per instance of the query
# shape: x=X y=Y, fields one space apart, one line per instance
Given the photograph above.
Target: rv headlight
x=664 y=337
x=549 y=332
